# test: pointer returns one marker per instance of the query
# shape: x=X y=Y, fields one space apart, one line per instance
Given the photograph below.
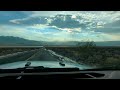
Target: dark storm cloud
x=66 y=21
x=60 y=21
x=85 y=20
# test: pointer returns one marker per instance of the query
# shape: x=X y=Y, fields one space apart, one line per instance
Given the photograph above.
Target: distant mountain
x=10 y=40
x=15 y=41
x=74 y=43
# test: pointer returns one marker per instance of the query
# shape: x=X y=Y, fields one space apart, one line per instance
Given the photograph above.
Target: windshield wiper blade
x=31 y=67
x=27 y=64
x=61 y=61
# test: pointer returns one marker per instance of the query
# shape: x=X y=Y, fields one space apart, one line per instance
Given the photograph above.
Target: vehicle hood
x=50 y=64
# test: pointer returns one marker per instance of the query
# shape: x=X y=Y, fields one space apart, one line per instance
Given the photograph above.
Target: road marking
x=14 y=54
x=90 y=75
x=111 y=74
x=31 y=56
x=60 y=56
x=19 y=77
x=51 y=54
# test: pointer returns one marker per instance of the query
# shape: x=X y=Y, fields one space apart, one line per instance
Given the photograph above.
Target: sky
x=61 y=25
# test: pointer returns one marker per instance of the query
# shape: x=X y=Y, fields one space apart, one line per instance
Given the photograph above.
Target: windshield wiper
x=27 y=64
x=61 y=61
x=51 y=72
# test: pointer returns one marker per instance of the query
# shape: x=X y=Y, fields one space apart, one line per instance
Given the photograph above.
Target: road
x=42 y=54
x=39 y=55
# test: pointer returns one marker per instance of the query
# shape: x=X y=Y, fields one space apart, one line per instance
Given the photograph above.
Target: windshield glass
x=60 y=39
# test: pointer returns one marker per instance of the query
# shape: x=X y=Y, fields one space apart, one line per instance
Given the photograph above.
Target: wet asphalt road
x=33 y=55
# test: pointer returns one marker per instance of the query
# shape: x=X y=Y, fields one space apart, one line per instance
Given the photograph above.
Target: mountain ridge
x=11 y=40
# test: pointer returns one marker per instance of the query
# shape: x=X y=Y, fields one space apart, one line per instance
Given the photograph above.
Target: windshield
x=60 y=39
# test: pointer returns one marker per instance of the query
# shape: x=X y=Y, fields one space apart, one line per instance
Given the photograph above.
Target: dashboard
x=37 y=75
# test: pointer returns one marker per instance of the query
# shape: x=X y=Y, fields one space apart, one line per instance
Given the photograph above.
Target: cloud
x=66 y=21
x=64 y=25
x=87 y=20
x=51 y=13
x=88 y=15
x=21 y=32
x=113 y=27
x=16 y=21
x=113 y=24
x=5 y=16
x=25 y=32
x=19 y=21
x=63 y=35
x=45 y=28
x=106 y=16
x=108 y=30
x=30 y=21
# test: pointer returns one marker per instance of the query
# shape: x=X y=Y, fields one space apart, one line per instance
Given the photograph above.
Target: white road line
x=90 y=75
x=31 y=56
x=60 y=56
x=14 y=54
x=111 y=74
x=19 y=77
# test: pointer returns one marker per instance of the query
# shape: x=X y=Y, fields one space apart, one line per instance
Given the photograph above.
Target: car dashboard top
x=55 y=73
